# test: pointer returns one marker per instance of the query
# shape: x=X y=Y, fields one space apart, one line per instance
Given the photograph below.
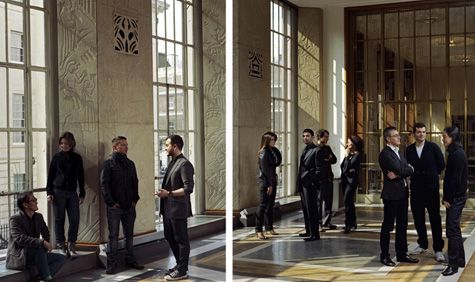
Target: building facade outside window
x=283 y=48
x=174 y=87
x=23 y=90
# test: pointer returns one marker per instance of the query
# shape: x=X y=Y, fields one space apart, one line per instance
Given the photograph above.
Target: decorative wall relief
x=255 y=64
x=126 y=35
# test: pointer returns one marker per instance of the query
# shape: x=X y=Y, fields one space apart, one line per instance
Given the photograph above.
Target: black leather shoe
x=450 y=270
x=135 y=265
x=111 y=270
x=347 y=230
x=461 y=264
x=407 y=259
x=387 y=261
x=330 y=226
x=312 y=238
x=305 y=234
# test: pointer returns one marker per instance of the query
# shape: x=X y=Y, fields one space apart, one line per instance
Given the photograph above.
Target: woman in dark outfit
x=350 y=171
x=269 y=159
x=455 y=186
x=65 y=174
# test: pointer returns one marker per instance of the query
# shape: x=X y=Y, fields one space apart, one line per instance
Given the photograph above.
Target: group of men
x=424 y=164
x=119 y=185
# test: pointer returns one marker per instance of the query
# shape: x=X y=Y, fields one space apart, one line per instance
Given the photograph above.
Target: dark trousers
x=47 y=263
x=303 y=202
x=394 y=210
x=456 y=252
x=325 y=202
x=311 y=196
x=265 y=211
x=430 y=200
x=66 y=201
x=114 y=217
x=349 y=192
x=176 y=233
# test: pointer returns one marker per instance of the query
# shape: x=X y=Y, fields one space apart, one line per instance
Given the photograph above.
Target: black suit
x=425 y=192
x=394 y=194
x=176 y=210
x=308 y=188
x=350 y=174
x=325 y=160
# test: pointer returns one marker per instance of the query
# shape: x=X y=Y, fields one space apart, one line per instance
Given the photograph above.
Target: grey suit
x=176 y=210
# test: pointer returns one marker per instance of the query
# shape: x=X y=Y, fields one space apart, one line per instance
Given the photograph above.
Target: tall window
x=173 y=78
x=282 y=81
x=23 y=88
x=412 y=64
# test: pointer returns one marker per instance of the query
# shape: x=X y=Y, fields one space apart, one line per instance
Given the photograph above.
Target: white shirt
x=395 y=149
x=419 y=149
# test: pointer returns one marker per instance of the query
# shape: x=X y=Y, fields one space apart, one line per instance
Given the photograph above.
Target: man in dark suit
x=308 y=188
x=175 y=206
x=428 y=162
x=395 y=197
x=325 y=174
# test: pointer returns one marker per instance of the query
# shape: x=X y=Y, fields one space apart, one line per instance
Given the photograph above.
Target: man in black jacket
x=119 y=185
x=428 y=162
x=395 y=197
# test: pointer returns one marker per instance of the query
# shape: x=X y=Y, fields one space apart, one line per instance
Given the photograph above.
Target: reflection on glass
x=439 y=121
x=38 y=99
x=422 y=52
x=179 y=64
x=360 y=28
x=191 y=111
x=438 y=51
x=17 y=99
x=457 y=83
x=169 y=19
x=423 y=20
x=178 y=21
x=437 y=21
x=15 y=34
x=2 y=31
x=374 y=26
x=3 y=162
x=456 y=18
x=189 y=23
x=439 y=83
x=470 y=18
x=390 y=29
x=406 y=24
x=39 y=159
x=37 y=37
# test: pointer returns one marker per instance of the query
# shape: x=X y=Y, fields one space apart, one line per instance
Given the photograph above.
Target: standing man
x=326 y=179
x=428 y=162
x=175 y=206
x=119 y=185
x=395 y=197
x=308 y=187
x=25 y=247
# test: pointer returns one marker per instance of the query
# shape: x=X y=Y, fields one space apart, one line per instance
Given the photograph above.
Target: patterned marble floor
x=337 y=256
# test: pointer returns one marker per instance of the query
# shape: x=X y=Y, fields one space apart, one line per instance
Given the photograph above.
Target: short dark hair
x=308 y=130
x=69 y=137
x=176 y=140
x=321 y=132
x=454 y=133
x=271 y=134
x=418 y=125
x=117 y=139
x=357 y=141
x=23 y=198
x=387 y=132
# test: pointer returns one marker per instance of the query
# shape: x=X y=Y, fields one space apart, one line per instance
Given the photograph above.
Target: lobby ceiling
x=342 y=3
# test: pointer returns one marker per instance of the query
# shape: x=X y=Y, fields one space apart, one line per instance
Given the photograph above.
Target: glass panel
x=391 y=53
x=438 y=21
x=423 y=20
x=17 y=99
x=179 y=64
x=37 y=36
x=374 y=55
x=457 y=50
x=438 y=51
x=360 y=27
x=3 y=162
x=372 y=148
x=457 y=83
x=39 y=159
x=180 y=109
x=422 y=84
x=439 y=83
x=17 y=165
x=155 y=108
x=277 y=83
x=374 y=26
x=281 y=19
x=456 y=19
x=359 y=118
x=373 y=86
x=278 y=115
x=470 y=45
x=2 y=32
x=423 y=113
x=422 y=52
x=38 y=99
x=169 y=19
x=191 y=110
x=154 y=17
x=3 y=97
x=471 y=87
x=160 y=14
x=178 y=21
x=16 y=39
x=163 y=62
x=162 y=109
x=391 y=113
x=438 y=117
x=470 y=18
x=172 y=118
x=189 y=27
x=359 y=59
x=359 y=86
x=171 y=63
x=406 y=24
x=407 y=85
x=391 y=81
x=154 y=59
x=457 y=113
x=408 y=116
x=406 y=53
x=390 y=29
x=373 y=117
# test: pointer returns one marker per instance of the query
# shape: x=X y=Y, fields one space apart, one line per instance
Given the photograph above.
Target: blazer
x=267 y=165
x=324 y=163
x=456 y=175
x=395 y=189
x=25 y=233
x=179 y=175
x=350 y=170
x=426 y=168
x=306 y=176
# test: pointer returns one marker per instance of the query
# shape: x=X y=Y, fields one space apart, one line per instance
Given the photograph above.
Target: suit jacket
x=426 y=168
x=24 y=233
x=324 y=164
x=350 y=169
x=395 y=189
x=310 y=162
x=179 y=175
x=267 y=165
